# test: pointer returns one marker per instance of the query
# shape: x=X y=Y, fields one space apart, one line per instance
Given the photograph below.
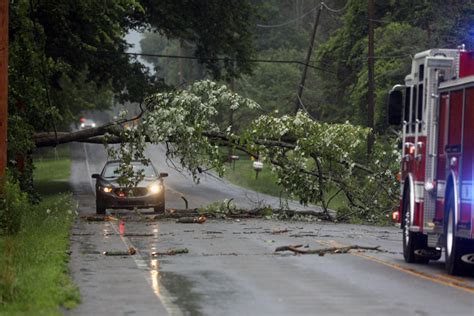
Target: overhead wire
x=255 y=60
x=288 y=22
x=335 y=10
x=304 y=15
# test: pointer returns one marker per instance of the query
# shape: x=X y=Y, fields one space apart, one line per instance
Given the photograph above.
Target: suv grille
x=134 y=192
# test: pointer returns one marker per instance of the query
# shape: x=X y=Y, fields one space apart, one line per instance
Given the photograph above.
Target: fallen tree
x=313 y=161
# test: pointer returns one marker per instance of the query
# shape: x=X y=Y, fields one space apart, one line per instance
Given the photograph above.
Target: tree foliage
x=69 y=56
x=309 y=158
x=403 y=28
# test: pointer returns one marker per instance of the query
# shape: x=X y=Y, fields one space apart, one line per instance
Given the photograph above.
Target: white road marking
x=163 y=295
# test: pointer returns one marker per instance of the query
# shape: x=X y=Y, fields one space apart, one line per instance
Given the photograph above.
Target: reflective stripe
x=441 y=188
x=419 y=191
x=467 y=191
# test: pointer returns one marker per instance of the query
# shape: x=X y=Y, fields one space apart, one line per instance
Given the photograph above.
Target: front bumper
x=111 y=200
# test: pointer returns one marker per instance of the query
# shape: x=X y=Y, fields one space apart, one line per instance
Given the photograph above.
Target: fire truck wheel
x=412 y=241
x=455 y=248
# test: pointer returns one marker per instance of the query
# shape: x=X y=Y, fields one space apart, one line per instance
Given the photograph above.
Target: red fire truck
x=435 y=108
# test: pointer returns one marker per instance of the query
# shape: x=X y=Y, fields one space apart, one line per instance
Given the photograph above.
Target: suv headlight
x=154 y=188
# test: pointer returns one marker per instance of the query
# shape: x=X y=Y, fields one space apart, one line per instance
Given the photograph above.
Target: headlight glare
x=154 y=188
x=107 y=189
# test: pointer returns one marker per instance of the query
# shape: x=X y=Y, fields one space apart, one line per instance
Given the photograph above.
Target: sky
x=134 y=37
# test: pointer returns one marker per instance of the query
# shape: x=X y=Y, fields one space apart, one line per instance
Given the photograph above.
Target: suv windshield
x=111 y=170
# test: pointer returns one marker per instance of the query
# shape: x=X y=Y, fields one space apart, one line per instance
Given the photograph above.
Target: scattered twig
x=191 y=220
x=185 y=201
x=279 y=231
x=170 y=252
x=323 y=251
x=138 y=235
x=303 y=235
x=83 y=234
x=130 y=252
x=98 y=218
x=285 y=248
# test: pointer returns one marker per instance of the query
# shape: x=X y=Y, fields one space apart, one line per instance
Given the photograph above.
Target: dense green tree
x=216 y=28
x=67 y=56
x=403 y=28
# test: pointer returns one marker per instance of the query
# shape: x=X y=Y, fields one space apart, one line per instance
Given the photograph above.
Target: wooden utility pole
x=370 y=83
x=307 y=60
x=3 y=92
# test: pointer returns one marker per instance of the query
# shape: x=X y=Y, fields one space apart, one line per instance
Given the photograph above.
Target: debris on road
x=138 y=235
x=279 y=231
x=303 y=235
x=130 y=252
x=170 y=252
x=235 y=214
x=192 y=220
x=82 y=234
x=321 y=252
x=98 y=218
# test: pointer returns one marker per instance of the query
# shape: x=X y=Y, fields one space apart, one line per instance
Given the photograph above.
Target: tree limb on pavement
x=321 y=252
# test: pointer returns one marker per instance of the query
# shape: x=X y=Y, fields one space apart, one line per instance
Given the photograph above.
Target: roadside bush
x=34 y=247
x=14 y=206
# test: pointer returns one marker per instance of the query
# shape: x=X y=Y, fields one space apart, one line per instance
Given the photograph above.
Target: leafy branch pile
x=309 y=158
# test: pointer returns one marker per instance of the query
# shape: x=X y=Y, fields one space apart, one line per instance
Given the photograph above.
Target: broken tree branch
x=170 y=252
x=321 y=252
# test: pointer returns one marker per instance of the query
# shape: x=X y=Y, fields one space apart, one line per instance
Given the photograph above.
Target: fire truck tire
x=411 y=240
x=455 y=248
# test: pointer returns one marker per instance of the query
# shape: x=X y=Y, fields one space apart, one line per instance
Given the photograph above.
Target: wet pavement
x=232 y=269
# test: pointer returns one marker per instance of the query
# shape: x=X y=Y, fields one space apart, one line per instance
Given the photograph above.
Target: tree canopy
x=67 y=56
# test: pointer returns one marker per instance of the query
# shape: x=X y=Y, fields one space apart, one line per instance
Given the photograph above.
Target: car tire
x=161 y=204
x=412 y=241
x=99 y=207
x=160 y=209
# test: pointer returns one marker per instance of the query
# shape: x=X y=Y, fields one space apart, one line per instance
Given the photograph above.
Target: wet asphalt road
x=231 y=267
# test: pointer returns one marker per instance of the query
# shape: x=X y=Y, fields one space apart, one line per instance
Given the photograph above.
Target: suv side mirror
x=95 y=175
x=163 y=174
x=395 y=107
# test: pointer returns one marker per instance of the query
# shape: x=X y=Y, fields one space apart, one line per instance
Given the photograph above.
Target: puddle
x=181 y=291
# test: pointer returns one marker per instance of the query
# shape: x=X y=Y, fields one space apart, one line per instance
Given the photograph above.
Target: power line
x=335 y=10
x=304 y=15
x=274 y=61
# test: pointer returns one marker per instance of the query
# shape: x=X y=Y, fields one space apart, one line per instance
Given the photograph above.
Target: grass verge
x=242 y=174
x=34 y=275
